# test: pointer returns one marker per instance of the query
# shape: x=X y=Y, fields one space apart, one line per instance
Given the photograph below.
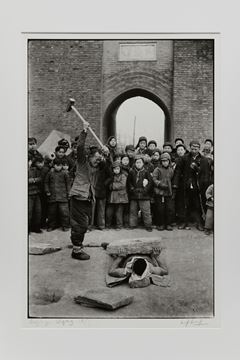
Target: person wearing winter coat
x=141 y=146
x=164 y=193
x=117 y=196
x=210 y=213
x=42 y=173
x=139 y=189
x=152 y=145
x=179 y=199
x=34 y=202
x=130 y=151
x=112 y=147
x=103 y=179
x=82 y=193
x=57 y=188
x=194 y=171
x=156 y=158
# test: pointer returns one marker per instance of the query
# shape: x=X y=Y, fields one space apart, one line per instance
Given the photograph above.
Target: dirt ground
x=189 y=259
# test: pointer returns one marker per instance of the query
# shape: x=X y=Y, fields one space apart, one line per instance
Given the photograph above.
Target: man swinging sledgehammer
x=82 y=193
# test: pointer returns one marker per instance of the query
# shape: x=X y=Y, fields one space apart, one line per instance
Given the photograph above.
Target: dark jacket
x=195 y=173
x=84 y=183
x=42 y=173
x=155 y=163
x=103 y=178
x=118 y=194
x=162 y=178
x=57 y=184
x=149 y=167
x=34 y=180
x=72 y=160
x=136 y=189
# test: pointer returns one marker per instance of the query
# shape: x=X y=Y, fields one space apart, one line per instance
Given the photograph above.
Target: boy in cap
x=117 y=197
x=164 y=193
x=130 y=151
x=57 y=188
x=139 y=187
x=141 y=145
x=194 y=171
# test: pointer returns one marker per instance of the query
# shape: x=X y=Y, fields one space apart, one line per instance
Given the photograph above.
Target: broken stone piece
x=103 y=298
x=41 y=249
x=135 y=246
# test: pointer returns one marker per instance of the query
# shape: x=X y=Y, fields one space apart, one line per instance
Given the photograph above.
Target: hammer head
x=71 y=102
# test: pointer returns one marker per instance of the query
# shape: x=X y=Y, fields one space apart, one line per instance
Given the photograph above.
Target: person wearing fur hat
x=139 y=189
x=117 y=196
x=193 y=171
x=168 y=148
x=164 y=192
x=152 y=145
x=141 y=145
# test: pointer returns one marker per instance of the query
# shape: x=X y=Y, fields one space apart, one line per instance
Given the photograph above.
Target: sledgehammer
x=70 y=107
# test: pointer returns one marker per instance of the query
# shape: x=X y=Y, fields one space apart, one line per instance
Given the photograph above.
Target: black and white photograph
x=121 y=177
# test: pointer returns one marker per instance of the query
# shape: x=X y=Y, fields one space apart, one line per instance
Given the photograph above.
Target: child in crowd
x=64 y=143
x=164 y=194
x=210 y=213
x=130 y=151
x=117 y=197
x=141 y=145
x=156 y=157
x=125 y=164
x=112 y=146
x=140 y=186
x=103 y=179
x=60 y=152
x=57 y=188
x=179 y=199
x=65 y=166
x=168 y=148
x=152 y=145
x=34 y=202
x=147 y=161
x=32 y=147
x=72 y=157
x=42 y=171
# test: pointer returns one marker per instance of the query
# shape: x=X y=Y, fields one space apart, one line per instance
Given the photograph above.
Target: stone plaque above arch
x=137 y=52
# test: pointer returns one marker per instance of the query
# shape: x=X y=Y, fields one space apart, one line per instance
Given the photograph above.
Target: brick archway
x=109 y=117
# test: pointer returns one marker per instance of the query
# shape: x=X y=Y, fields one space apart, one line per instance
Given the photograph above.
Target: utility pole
x=134 y=130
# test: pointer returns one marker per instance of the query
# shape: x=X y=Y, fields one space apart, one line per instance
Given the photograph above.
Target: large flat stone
x=42 y=249
x=135 y=246
x=103 y=298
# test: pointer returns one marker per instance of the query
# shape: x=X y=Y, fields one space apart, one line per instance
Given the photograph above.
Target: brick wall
x=59 y=69
x=181 y=79
x=193 y=89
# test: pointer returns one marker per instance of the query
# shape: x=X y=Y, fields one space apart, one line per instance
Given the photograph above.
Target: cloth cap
x=195 y=143
x=167 y=143
x=152 y=142
x=116 y=164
